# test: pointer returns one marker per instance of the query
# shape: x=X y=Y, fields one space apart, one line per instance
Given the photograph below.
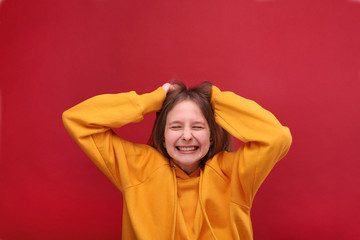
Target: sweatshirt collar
x=182 y=174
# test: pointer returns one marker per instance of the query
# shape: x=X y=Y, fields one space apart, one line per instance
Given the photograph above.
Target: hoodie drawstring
x=173 y=166
x=175 y=201
x=202 y=206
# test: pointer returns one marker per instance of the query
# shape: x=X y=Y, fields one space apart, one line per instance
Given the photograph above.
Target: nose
x=187 y=134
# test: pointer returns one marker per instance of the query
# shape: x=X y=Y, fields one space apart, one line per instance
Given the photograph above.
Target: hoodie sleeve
x=90 y=124
x=266 y=141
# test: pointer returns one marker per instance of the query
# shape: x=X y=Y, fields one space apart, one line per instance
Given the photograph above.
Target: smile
x=187 y=148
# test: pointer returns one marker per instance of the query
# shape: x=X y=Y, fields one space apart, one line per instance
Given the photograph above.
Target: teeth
x=187 y=148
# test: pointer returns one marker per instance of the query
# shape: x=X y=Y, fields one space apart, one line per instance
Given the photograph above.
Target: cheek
x=170 y=137
x=204 y=138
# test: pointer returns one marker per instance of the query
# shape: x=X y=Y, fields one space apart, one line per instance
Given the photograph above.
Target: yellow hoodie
x=160 y=200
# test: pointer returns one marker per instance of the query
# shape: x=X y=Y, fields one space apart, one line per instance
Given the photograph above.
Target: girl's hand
x=168 y=87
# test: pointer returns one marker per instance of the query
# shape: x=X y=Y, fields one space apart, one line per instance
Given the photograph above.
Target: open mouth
x=187 y=148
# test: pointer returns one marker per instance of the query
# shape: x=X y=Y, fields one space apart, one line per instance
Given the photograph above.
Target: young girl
x=187 y=185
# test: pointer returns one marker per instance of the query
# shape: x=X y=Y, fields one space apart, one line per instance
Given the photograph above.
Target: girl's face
x=187 y=135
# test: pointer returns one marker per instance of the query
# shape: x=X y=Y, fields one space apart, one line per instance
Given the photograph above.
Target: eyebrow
x=180 y=122
x=175 y=122
x=199 y=122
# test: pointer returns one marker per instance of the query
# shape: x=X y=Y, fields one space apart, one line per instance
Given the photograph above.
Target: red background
x=300 y=59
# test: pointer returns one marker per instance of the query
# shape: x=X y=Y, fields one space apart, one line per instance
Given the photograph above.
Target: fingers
x=166 y=87
x=169 y=87
x=172 y=87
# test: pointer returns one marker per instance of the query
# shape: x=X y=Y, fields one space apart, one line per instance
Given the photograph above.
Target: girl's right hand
x=168 y=87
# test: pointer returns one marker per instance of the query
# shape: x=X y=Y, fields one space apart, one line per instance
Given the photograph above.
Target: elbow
x=66 y=119
x=279 y=142
x=283 y=141
x=69 y=124
x=285 y=136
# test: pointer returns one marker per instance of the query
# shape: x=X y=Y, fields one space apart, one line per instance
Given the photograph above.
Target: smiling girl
x=186 y=184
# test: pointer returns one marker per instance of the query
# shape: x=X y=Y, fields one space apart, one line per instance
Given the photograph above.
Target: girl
x=187 y=185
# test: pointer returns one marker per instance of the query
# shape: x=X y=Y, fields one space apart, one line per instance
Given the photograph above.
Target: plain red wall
x=300 y=59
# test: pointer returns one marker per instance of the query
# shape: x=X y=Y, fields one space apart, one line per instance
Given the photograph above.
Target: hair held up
x=201 y=95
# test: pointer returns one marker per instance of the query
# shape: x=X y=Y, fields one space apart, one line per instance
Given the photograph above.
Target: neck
x=188 y=169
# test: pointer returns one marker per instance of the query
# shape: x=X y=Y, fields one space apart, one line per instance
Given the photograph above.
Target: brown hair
x=201 y=95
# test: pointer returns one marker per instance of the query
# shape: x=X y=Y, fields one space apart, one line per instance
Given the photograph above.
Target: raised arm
x=266 y=141
x=90 y=124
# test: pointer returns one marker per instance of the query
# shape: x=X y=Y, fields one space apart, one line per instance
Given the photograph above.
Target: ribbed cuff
x=214 y=92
